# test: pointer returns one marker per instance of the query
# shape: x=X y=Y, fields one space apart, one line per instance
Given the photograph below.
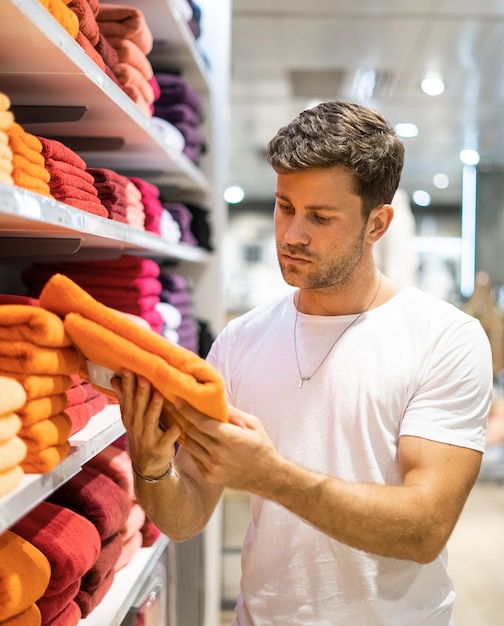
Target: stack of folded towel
x=107 y=506
x=83 y=401
x=126 y=31
x=12 y=448
x=6 y=119
x=24 y=575
x=116 y=464
x=28 y=163
x=71 y=544
x=67 y=177
x=153 y=208
x=183 y=216
x=36 y=350
x=111 y=189
x=89 y=34
x=128 y=284
x=177 y=292
x=181 y=105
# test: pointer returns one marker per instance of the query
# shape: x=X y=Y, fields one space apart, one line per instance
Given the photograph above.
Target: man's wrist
x=171 y=471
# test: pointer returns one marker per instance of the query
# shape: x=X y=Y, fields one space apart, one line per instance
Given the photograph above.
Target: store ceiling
x=288 y=53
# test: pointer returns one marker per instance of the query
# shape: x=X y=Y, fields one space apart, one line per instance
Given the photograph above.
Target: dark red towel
x=70 y=616
x=59 y=152
x=88 y=601
x=105 y=563
x=97 y=498
x=70 y=542
x=81 y=414
x=51 y=606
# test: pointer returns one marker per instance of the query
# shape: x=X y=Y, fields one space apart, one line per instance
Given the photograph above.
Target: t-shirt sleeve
x=452 y=402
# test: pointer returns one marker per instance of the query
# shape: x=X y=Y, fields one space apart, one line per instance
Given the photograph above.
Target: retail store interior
x=133 y=162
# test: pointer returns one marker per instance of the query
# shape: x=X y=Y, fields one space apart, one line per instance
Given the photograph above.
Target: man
x=361 y=405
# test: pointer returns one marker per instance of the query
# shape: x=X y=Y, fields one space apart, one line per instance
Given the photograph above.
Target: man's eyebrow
x=310 y=207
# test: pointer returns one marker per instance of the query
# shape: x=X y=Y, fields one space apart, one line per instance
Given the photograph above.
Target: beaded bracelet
x=169 y=472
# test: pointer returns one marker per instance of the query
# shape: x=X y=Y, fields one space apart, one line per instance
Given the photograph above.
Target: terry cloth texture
x=62 y=14
x=24 y=574
x=30 y=617
x=69 y=541
x=109 y=339
x=12 y=448
x=28 y=163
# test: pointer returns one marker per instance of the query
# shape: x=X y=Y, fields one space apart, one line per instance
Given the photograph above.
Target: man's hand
x=150 y=438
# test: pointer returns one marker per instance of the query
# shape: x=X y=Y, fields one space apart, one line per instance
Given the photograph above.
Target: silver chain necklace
x=354 y=321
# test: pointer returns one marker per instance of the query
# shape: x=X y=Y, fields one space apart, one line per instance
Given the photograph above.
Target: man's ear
x=379 y=221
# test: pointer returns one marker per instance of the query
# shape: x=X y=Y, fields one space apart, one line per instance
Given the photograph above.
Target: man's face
x=319 y=229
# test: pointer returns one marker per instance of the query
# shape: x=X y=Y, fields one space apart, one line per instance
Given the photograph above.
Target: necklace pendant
x=302 y=379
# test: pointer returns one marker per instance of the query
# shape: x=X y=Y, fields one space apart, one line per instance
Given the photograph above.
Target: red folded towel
x=24 y=574
x=70 y=616
x=97 y=498
x=81 y=414
x=88 y=25
x=105 y=563
x=115 y=463
x=51 y=148
x=88 y=601
x=129 y=549
x=69 y=541
x=51 y=606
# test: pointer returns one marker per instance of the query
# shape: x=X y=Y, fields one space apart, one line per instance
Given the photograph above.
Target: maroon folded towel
x=70 y=616
x=110 y=551
x=59 y=152
x=51 y=606
x=97 y=498
x=115 y=463
x=88 y=601
x=70 y=542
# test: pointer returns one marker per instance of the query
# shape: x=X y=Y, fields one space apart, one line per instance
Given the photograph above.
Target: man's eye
x=321 y=219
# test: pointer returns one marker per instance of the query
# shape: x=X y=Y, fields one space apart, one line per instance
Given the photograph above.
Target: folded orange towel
x=53 y=431
x=10 y=480
x=12 y=395
x=42 y=408
x=9 y=426
x=39 y=386
x=23 y=357
x=24 y=574
x=128 y=52
x=20 y=322
x=63 y=15
x=6 y=120
x=12 y=452
x=21 y=163
x=42 y=461
x=23 y=142
x=31 y=617
x=30 y=183
x=109 y=339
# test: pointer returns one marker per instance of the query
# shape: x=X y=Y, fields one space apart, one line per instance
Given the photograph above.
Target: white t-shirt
x=414 y=366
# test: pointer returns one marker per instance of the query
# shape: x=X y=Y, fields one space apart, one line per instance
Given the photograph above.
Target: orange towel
x=12 y=395
x=42 y=461
x=53 y=431
x=39 y=386
x=20 y=322
x=42 y=408
x=10 y=480
x=109 y=339
x=128 y=52
x=23 y=142
x=6 y=120
x=12 y=452
x=30 y=617
x=63 y=15
x=30 y=183
x=23 y=357
x=24 y=574
x=9 y=426
x=21 y=163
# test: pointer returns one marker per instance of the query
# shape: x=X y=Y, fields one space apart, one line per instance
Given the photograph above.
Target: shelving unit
x=57 y=91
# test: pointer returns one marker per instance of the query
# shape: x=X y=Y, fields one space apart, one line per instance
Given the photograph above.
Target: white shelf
x=41 y=65
x=102 y=430
x=27 y=215
x=127 y=583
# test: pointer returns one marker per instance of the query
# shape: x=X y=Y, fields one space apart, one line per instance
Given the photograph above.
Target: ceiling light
x=441 y=181
x=421 y=197
x=234 y=194
x=432 y=86
x=406 y=129
x=469 y=157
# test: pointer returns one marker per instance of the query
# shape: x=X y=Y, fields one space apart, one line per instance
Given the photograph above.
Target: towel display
x=125 y=22
x=63 y=15
x=24 y=574
x=109 y=339
x=29 y=170
x=68 y=180
x=128 y=284
x=12 y=447
x=69 y=541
